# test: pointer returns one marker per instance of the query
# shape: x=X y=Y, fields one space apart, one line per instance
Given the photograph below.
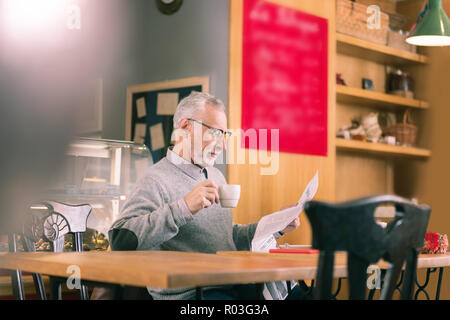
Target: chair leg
x=16 y=275
x=118 y=292
x=324 y=276
x=288 y=284
x=259 y=287
x=78 y=241
x=392 y=276
x=198 y=293
x=78 y=246
x=17 y=285
x=55 y=289
x=410 y=275
x=39 y=286
x=28 y=245
x=357 y=273
x=84 y=293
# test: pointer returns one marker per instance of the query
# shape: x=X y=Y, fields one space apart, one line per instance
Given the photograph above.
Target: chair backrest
x=53 y=221
x=351 y=227
x=66 y=218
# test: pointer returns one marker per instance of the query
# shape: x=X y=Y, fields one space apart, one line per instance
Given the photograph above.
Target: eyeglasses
x=216 y=132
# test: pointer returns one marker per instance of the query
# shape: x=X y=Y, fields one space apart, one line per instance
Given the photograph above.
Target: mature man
x=175 y=206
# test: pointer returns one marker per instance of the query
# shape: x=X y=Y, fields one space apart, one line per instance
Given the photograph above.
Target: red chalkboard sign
x=284 y=79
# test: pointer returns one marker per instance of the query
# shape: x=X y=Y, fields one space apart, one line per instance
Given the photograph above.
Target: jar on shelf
x=401 y=84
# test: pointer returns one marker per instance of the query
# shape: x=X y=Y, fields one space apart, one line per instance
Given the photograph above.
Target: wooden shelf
x=351 y=95
x=381 y=149
x=363 y=49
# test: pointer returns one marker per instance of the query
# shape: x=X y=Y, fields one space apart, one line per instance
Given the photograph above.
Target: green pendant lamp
x=432 y=28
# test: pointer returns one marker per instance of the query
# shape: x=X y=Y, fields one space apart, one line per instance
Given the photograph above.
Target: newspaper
x=263 y=239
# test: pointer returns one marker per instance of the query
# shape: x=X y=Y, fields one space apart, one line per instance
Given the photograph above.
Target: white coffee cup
x=229 y=195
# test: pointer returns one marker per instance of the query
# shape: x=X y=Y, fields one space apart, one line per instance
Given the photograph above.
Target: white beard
x=204 y=159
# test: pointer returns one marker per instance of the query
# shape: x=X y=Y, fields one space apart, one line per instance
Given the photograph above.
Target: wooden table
x=163 y=269
x=430 y=262
x=310 y=260
x=168 y=269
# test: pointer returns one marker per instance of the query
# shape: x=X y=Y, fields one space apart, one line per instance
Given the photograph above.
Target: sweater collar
x=187 y=167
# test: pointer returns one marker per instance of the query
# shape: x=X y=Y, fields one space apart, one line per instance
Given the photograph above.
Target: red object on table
x=284 y=79
x=294 y=251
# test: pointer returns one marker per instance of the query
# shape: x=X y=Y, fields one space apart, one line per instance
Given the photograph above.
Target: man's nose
x=224 y=144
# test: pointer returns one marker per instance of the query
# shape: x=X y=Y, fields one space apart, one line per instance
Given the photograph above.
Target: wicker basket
x=405 y=133
x=351 y=19
x=398 y=41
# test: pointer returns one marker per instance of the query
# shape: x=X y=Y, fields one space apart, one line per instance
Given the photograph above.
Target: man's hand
x=294 y=224
x=203 y=195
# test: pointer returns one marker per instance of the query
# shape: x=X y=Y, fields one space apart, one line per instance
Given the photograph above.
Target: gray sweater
x=154 y=218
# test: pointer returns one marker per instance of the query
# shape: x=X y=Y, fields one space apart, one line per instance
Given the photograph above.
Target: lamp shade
x=433 y=28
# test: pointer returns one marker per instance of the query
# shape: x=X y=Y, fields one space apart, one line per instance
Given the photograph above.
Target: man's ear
x=184 y=124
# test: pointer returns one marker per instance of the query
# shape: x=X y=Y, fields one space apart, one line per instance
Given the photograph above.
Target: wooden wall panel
x=362 y=176
x=263 y=194
x=358 y=175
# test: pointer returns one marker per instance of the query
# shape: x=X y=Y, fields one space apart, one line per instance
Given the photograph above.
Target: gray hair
x=194 y=103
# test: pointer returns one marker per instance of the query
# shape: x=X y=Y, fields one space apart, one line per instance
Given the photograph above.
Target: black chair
x=52 y=222
x=351 y=227
x=31 y=232
x=16 y=275
x=65 y=219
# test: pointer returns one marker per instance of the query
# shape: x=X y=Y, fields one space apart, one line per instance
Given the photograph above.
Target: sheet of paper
x=140 y=105
x=139 y=132
x=157 y=136
x=167 y=103
x=263 y=239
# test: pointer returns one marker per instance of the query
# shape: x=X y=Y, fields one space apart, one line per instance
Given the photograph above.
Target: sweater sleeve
x=146 y=216
x=243 y=235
